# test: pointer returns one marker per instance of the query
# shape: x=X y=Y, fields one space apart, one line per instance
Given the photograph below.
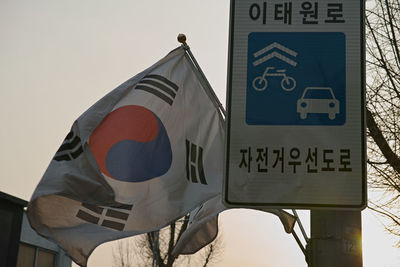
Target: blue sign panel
x=296 y=78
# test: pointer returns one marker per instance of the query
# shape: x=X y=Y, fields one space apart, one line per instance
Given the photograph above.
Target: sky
x=57 y=58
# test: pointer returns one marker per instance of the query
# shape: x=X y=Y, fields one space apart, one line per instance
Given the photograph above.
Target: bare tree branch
x=383 y=108
x=380 y=140
x=139 y=251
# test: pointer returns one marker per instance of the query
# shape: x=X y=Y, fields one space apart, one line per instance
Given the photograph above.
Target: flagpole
x=156 y=244
x=182 y=39
x=301 y=226
x=296 y=237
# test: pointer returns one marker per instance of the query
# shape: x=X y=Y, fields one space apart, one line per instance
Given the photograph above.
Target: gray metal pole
x=335 y=239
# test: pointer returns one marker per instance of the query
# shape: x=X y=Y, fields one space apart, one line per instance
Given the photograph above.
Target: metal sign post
x=295 y=124
x=335 y=239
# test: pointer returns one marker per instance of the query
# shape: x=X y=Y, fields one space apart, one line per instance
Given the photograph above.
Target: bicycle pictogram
x=260 y=83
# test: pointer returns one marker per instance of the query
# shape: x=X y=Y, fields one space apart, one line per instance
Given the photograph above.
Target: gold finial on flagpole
x=182 y=39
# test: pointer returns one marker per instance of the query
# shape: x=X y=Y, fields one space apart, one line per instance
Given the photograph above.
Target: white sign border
x=225 y=197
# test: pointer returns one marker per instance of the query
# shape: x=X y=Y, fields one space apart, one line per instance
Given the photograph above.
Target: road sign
x=295 y=136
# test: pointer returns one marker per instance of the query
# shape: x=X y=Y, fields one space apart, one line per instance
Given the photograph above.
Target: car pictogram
x=320 y=100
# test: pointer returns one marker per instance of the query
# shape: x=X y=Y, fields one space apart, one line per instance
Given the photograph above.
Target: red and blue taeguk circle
x=131 y=145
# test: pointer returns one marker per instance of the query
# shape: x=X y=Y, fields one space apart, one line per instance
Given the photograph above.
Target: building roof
x=13 y=199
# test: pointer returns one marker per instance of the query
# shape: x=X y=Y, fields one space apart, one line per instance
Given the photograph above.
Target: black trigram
x=70 y=149
x=114 y=218
x=194 y=163
x=158 y=86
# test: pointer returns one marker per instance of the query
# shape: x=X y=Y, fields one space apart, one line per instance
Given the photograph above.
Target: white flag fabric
x=288 y=220
x=203 y=226
x=143 y=156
